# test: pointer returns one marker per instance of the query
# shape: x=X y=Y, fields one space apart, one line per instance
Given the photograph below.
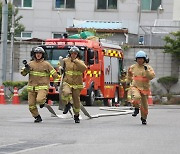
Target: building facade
x=176 y=10
x=49 y=19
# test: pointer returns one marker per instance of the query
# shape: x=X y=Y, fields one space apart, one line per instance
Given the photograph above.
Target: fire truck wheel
x=91 y=98
x=115 y=100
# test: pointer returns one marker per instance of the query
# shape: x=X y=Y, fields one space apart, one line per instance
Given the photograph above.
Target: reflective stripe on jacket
x=39 y=75
x=74 y=73
x=140 y=78
x=36 y=88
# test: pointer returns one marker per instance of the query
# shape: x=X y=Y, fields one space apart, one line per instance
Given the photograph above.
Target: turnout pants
x=36 y=97
x=129 y=95
x=140 y=100
x=71 y=95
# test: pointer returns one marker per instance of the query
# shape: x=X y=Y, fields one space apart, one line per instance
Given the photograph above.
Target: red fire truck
x=104 y=65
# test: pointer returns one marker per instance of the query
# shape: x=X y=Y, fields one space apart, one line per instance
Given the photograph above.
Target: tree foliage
x=12 y=84
x=167 y=82
x=18 y=28
x=173 y=44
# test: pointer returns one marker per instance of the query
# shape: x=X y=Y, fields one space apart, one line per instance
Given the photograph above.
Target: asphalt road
x=121 y=134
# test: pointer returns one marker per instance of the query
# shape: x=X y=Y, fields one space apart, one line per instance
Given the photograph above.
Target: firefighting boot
x=143 y=121
x=76 y=119
x=38 y=119
x=136 y=111
x=67 y=108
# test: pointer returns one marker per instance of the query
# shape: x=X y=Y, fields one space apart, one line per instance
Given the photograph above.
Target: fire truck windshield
x=54 y=54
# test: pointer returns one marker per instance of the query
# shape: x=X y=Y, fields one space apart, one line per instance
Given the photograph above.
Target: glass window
x=59 y=4
x=70 y=4
x=141 y=40
x=101 y=4
x=26 y=34
x=17 y=3
x=155 y=4
x=82 y=54
x=150 y=4
x=48 y=54
x=96 y=57
x=23 y=35
x=112 y=4
x=22 y=3
x=57 y=35
x=145 y=4
x=59 y=52
x=106 y=4
x=27 y=3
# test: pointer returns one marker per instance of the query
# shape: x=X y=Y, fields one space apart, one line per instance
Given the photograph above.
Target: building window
x=96 y=57
x=23 y=3
x=23 y=35
x=141 y=40
x=150 y=4
x=56 y=35
x=106 y=4
x=68 y=4
x=26 y=35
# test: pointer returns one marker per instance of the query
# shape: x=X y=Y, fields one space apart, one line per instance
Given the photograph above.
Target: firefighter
x=125 y=87
x=72 y=82
x=129 y=95
x=139 y=75
x=39 y=72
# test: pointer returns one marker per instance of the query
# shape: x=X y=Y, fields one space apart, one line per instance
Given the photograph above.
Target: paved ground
x=105 y=135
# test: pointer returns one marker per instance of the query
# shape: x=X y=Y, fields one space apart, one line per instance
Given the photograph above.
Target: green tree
x=167 y=82
x=18 y=28
x=173 y=44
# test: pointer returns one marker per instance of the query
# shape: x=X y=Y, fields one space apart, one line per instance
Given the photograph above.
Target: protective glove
x=27 y=67
x=145 y=67
x=61 y=70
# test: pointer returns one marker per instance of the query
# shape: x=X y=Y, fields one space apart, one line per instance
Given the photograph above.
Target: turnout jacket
x=39 y=75
x=74 y=72
x=140 y=78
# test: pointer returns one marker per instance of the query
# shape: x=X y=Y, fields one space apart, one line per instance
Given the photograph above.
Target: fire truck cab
x=104 y=65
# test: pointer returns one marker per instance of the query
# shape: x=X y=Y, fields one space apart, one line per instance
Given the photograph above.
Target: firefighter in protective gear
x=72 y=82
x=39 y=72
x=139 y=75
x=129 y=95
x=125 y=87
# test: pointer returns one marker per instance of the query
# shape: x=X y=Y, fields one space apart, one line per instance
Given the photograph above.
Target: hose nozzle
x=25 y=64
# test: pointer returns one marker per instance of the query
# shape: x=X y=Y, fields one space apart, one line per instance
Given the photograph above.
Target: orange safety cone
x=2 y=98
x=150 y=100
x=15 y=99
